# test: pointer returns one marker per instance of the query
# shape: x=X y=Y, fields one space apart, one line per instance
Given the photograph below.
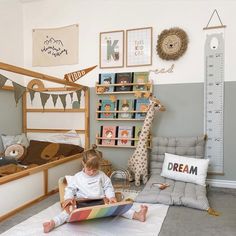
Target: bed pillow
x=70 y=137
x=8 y=140
x=185 y=169
x=40 y=152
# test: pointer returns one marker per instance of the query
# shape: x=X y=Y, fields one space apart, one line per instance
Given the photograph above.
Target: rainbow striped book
x=87 y=213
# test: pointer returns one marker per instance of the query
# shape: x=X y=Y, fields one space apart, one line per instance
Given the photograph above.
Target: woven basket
x=120 y=179
x=106 y=167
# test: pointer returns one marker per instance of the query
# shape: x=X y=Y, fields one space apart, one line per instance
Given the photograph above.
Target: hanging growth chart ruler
x=214 y=101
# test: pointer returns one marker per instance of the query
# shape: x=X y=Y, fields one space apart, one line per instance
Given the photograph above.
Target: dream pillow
x=185 y=169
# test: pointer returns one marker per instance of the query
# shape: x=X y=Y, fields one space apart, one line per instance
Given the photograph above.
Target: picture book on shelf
x=126 y=105
x=107 y=106
x=125 y=133
x=137 y=132
x=142 y=106
x=124 y=78
x=106 y=79
x=108 y=132
x=140 y=77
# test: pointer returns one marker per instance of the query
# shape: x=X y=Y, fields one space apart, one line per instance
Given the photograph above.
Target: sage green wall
x=11 y=115
x=183 y=117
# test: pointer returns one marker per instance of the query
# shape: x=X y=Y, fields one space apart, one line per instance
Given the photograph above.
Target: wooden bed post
x=87 y=125
x=45 y=176
x=24 y=116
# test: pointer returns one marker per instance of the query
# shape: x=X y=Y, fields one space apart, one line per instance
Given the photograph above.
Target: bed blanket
x=13 y=168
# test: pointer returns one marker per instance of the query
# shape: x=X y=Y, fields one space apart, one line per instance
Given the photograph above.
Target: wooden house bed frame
x=39 y=182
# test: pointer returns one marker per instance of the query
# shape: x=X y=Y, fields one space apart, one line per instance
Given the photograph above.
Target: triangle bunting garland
x=54 y=98
x=71 y=96
x=78 y=93
x=32 y=93
x=3 y=80
x=44 y=98
x=19 y=91
x=63 y=99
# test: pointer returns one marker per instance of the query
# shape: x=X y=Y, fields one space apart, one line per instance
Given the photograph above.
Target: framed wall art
x=139 y=47
x=111 y=49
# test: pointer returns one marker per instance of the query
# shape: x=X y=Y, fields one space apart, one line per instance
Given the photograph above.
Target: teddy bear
x=9 y=160
x=15 y=152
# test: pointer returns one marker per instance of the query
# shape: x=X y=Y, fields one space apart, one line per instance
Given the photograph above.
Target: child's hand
x=112 y=200
x=106 y=200
x=69 y=205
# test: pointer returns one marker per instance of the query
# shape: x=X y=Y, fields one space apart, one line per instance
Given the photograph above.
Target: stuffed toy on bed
x=10 y=159
x=15 y=151
x=13 y=154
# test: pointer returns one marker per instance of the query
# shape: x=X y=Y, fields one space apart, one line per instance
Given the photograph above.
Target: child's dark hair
x=92 y=158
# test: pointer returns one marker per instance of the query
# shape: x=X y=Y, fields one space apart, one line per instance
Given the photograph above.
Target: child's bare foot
x=48 y=226
x=141 y=215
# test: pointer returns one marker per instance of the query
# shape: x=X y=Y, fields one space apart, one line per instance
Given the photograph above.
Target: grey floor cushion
x=178 y=193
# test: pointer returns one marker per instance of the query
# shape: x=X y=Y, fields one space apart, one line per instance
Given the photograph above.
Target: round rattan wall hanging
x=172 y=44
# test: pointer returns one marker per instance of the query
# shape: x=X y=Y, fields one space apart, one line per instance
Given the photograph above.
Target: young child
x=90 y=183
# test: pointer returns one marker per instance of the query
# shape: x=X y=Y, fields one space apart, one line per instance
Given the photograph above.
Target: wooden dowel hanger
x=217 y=26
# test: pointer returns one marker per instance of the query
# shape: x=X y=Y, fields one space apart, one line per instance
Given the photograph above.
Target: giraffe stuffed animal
x=138 y=162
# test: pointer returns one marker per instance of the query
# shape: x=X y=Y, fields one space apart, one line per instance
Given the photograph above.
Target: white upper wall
x=11 y=35
x=95 y=16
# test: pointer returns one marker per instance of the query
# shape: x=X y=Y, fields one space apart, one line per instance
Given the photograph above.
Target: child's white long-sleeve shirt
x=82 y=185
